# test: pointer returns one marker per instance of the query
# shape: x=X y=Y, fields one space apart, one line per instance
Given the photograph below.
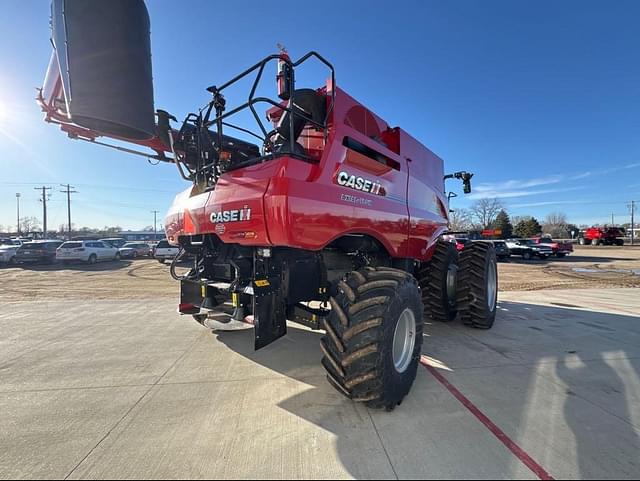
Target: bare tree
x=460 y=220
x=29 y=224
x=556 y=225
x=485 y=211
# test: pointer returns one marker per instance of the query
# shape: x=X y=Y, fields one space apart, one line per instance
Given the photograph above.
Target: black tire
x=93 y=259
x=595 y=242
x=620 y=242
x=560 y=255
x=478 y=295
x=162 y=261
x=358 y=345
x=118 y=257
x=438 y=296
x=527 y=256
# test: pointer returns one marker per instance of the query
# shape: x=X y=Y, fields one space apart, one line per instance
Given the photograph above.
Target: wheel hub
x=404 y=340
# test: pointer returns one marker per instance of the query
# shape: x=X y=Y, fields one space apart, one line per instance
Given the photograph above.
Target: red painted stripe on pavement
x=520 y=453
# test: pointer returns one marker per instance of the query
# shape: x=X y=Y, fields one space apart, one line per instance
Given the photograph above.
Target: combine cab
x=317 y=211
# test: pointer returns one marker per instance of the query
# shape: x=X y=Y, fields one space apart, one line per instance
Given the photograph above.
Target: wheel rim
x=404 y=341
x=492 y=286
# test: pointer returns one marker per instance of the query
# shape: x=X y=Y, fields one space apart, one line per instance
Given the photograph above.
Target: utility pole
x=68 y=191
x=633 y=211
x=155 y=224
x=613 y=222
x=18 y=195
x=44 y=209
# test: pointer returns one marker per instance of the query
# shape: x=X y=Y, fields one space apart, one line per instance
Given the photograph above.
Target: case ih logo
x=224 y=216
x=359 y=183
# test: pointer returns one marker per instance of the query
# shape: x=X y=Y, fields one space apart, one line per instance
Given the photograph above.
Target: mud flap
x=269 y=311
x=191 y=297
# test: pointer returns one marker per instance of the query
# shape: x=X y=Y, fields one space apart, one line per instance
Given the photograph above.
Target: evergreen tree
x=528 y=227
x=503 y=223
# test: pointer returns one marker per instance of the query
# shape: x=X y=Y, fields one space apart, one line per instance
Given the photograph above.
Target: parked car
x=141 y=249
x=165 y=251
x=502 y=251
x=128 y=253
x=8 y=254
x=38 y=252
x=6 y=242
x=560 y=249
x=528 y=249
x=87 y=251
x=116 y=242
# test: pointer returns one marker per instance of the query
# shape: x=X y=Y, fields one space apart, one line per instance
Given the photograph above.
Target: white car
x=87 y=251
x=165 y=251
x=8 y=254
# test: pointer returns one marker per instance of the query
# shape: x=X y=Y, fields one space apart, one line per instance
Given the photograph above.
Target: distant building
x=142 y=235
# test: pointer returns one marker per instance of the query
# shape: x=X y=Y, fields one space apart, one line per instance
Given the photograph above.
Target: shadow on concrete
x=571 y=259
x=77 y=266
x=566 y=350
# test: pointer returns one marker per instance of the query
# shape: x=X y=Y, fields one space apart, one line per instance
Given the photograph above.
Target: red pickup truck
x=560 y=249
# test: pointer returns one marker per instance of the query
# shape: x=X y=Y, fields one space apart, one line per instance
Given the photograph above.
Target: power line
x=100 y=186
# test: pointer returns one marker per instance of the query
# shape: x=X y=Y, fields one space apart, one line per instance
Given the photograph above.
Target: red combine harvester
x=329 y=217
x=608 y=236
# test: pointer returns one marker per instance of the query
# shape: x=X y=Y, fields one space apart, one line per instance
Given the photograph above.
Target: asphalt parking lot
x=124 y=388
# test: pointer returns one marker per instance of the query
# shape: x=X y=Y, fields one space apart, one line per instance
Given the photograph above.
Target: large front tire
x=374 y=337
x=478 y=285
x=438 y=281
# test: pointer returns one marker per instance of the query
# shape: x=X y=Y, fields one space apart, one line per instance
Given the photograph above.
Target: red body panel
x=299 y=204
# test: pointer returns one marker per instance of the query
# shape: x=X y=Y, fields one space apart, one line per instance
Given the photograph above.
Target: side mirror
x=465 y=177
x=466 y=180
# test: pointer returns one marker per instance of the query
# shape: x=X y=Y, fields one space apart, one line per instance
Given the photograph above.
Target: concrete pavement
x=121 y=389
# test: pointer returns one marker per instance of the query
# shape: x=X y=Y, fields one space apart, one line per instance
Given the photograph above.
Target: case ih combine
x=608 y=236
x=331 y=218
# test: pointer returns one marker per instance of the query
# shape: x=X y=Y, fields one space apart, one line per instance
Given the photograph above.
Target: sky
x=540 y=99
